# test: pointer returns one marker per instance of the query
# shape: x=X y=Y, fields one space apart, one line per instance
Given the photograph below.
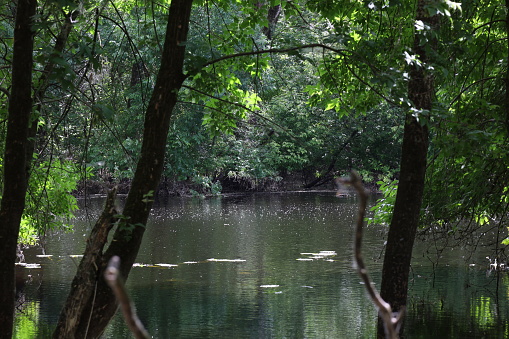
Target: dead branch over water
x=391 y=320
x=112 y=276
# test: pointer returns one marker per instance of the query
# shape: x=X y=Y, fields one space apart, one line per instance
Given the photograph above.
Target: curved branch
x=112 y=277
x=292 y=49
x=487 y=24
x=390 y=321
x=463 y=90
x=268 y=51
x=488 y=45
x=123 y=27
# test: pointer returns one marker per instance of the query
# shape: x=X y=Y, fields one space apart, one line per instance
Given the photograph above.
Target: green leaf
x=103 y=111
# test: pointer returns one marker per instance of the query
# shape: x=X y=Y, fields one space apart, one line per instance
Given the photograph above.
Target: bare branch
x=391 y=321
x=112 y=276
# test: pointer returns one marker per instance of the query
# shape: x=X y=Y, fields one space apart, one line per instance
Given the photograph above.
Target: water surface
x=245 y=269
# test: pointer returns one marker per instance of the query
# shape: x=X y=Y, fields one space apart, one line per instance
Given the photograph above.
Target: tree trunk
x=43 y=81
x=405 y=218
x=272 y=18
x=87 y=274
x=101 y=305
x=15 y=160
x=507 y=72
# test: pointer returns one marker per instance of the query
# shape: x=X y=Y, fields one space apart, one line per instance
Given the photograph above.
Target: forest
x=199 y=98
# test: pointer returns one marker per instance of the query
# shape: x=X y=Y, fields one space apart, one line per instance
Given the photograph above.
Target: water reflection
x=465 y=303
x=263 y=290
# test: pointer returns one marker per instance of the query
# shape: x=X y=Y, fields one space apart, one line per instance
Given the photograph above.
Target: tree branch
x=464 y=89
x=391 y=321
x=267 y=51
x=112 y=276
x=486 y=24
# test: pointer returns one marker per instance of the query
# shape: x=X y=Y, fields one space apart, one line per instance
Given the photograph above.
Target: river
x=268 y=266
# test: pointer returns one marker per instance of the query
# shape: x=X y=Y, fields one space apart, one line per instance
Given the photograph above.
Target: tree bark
x=405 y=218
x=15 y=160
x=129 y=233
x=86 y=278
x=272 y=17
x=507 y=72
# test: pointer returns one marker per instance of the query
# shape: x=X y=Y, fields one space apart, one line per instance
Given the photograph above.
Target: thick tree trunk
x=101 y=306
x=15 y=160
x=405 y=218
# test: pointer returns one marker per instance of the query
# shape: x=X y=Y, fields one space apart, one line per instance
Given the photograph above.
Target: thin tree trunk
x=15 y=160
x=507 y=72
x=405 y=218
x=101 y=307
x=327 y=176
x=272 y=17
x=43 y=81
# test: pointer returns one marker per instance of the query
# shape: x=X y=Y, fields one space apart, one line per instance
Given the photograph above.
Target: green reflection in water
x=482 y=311
x=27 y=319
x=460 y=302
x=28 y=323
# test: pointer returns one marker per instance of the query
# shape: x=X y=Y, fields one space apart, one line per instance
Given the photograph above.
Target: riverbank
x=183 y=188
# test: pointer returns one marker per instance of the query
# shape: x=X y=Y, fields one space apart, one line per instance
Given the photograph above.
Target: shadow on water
x=266 y=266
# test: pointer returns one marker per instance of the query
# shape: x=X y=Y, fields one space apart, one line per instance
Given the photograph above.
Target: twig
x=114 y=280
x=391 y=321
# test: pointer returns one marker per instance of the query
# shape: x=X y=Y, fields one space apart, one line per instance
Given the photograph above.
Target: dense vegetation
x=266 y=125
x=269 y=92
